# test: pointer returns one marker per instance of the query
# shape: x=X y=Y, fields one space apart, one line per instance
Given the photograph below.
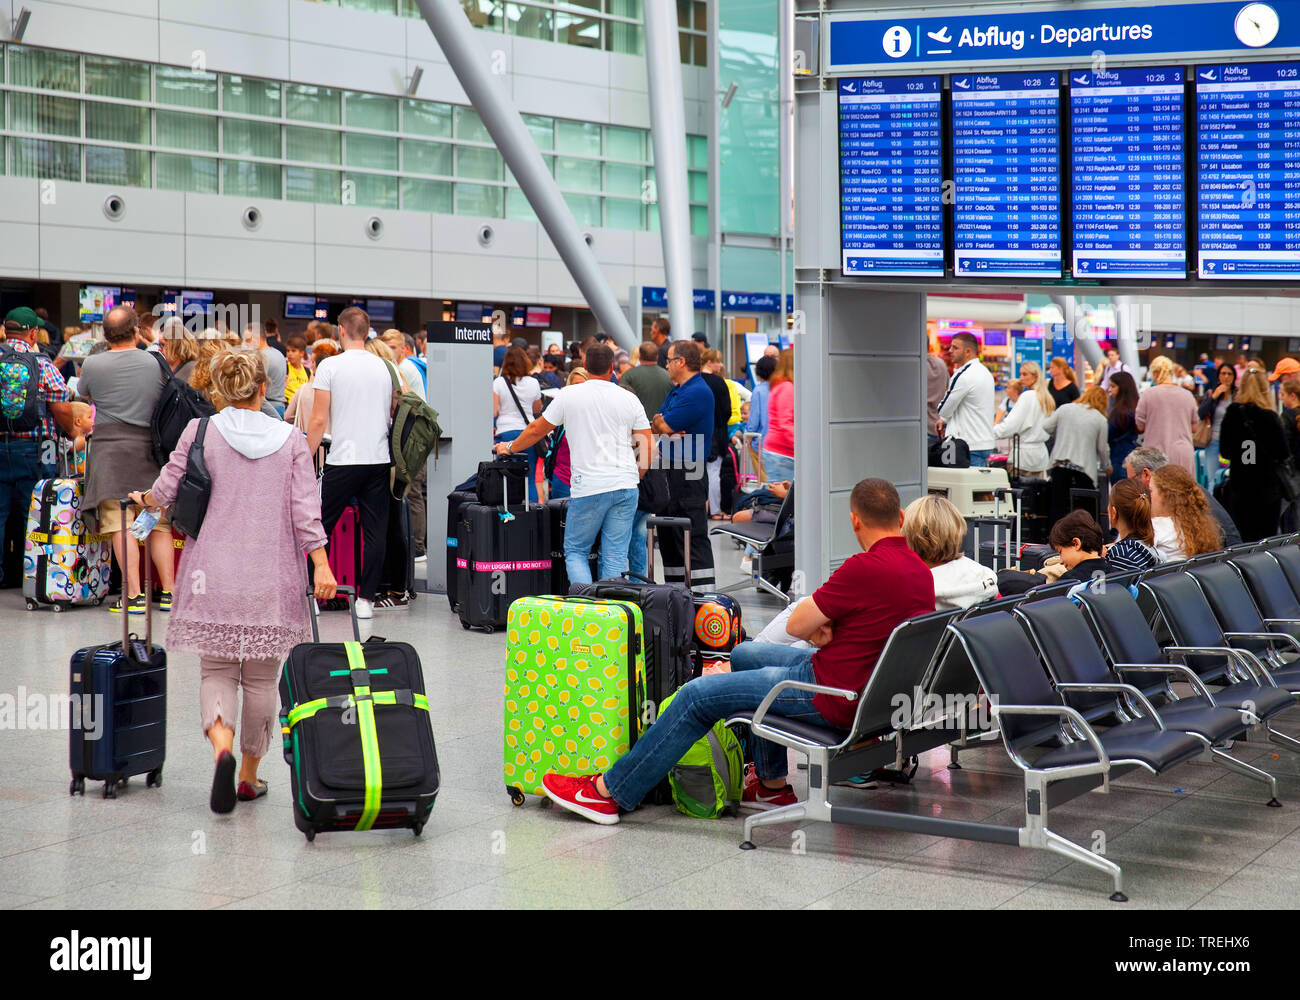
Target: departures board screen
x=1006 y=155
x=1248 y=171
x=891 y=176
x=1126 y=130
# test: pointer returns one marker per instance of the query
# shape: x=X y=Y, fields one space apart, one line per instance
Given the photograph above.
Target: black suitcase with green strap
x=357 y=735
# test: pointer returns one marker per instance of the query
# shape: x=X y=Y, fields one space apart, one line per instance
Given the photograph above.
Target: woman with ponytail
x=241 y=598
x=1129 y=513
x=1033 y=406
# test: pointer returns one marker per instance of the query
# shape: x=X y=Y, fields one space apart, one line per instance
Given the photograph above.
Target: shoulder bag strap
x=168 y=374
x=518 y=404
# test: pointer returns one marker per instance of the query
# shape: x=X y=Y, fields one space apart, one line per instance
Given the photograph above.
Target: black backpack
x=21 y=408
x=177 y=406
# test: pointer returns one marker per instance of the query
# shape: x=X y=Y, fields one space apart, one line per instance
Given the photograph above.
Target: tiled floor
x=1200 y=838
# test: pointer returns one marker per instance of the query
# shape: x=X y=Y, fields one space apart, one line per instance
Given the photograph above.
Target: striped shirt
x=52 y=389
x=1130 y=555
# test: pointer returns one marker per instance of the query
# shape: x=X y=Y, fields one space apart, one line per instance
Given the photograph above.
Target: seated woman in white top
x=1181 y=520
x=1026 y=419
x=934 y=529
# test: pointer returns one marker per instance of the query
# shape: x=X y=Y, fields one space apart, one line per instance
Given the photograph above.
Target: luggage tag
x=144 y=523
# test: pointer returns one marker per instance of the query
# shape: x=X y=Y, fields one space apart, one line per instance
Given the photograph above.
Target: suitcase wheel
x=78 y=786
x=516 y=796
x=154 y=778
x=56 y=607
x=98 y=601
x=417 y=828
x=465 y=626
x=310 y=835
x=31 y=605
x=110 y=789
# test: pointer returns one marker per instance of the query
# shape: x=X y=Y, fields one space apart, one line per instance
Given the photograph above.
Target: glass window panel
x=624 y=213
x=39 y=113
x=586 y=208
x=241 y=138
x=313 y=104
x=577 y=175
x=479 y=199
x=699 y=186
x=44 y=69
x=701 y=53
x=372 y=111
x=529 y=22
x=517 y=206
x=469 y=127
x=625 y=143
x=427 y=118
x=582 y=138
x=572 y=28
x=624 y=38
x=372 y=190
x=184 y=131
x=186 y=173
x=484 y=164
x=116 y=123
x=374 y=6
x=699 y=151
x=2 y=150
x=110 y=165
x=313 y=145
x=42 y=158
x=426 y=196
x=542 y=130
x=699 y=220
x=305 y=184
x=115 y=78
x=683 y=13
x=484 y=13
x=425 y=157
x=185 y=88
x=246 y=96
x=374 y=151
x=700 y=16
x=625 y=8
x=620 y=179
x=258 y=180
x=684 y=46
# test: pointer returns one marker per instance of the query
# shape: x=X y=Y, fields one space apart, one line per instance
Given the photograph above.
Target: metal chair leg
x=1057 y=844
x=1282 y=739
x=785 y=814
x=1249 y=770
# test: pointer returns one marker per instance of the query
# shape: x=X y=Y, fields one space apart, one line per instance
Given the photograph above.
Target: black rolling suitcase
x=357 y=735
x=502 y=553
x=119 y=705
x=558 y=513
x=398 y=575
x=456 y=502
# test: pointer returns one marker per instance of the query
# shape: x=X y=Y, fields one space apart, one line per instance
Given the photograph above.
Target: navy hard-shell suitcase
x=502 y=553
x=119 y=707
x=456 y=502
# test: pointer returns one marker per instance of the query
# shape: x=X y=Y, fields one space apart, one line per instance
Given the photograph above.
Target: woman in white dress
x=1026 y=419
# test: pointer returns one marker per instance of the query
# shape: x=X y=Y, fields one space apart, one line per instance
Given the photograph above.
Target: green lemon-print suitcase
x=575 y=681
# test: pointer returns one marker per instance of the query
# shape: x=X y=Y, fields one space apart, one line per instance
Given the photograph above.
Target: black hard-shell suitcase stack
x=559 y=511
x=357 y=734
x=456 y=502
x=119 y=699
x=502 y=553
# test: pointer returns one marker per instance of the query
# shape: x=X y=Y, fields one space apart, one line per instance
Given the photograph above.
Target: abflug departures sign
x=970 y=175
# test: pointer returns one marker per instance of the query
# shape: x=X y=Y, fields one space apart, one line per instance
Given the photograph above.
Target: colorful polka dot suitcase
x=64 y=562
x=575 y=684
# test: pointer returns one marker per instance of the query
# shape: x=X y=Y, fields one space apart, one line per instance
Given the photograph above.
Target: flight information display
x=1248 y=160
x=1006 y=149
x=1126 y=129
x=891 y=144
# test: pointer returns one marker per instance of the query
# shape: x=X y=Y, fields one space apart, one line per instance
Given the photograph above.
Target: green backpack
x=414 y=435
x=707 y=781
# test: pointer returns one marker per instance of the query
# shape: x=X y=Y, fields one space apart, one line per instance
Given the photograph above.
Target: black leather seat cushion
x=1196 y=715
x=825 y=735
x=1161 y=749
x=758 y=532
x=1265 y=701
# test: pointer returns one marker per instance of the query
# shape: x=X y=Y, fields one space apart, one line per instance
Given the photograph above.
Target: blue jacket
x=758 y=411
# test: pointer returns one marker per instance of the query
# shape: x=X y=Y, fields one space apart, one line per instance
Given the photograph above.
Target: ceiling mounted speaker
x=114 y=207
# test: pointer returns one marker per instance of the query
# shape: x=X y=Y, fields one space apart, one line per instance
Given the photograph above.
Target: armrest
x=1269 y=637
x=766 y=703
x=1060 y=711
x=1241 y=656
x=1118 y=688
x=1187 y=672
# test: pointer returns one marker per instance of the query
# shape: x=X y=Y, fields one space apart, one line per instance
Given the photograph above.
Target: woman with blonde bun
x=1166 y=416
x=263 y=512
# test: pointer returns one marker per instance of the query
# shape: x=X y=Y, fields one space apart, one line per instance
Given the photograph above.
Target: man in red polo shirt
x=848 y=620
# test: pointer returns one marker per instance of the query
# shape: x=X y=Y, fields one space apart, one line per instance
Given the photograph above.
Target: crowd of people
x=1220 y=423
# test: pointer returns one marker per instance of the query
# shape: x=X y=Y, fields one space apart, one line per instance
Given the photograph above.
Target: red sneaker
x=579 y=795
x=756 y=796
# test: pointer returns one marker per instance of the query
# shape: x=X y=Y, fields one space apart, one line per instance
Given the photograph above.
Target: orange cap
x=1287 y=366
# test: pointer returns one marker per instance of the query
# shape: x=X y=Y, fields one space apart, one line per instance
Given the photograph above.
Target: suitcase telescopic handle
x=670 y=522
x=351 y=594
x=147 y=558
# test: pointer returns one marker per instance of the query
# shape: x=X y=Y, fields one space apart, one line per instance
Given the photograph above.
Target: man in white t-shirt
x=354 y=397
x=609 y=451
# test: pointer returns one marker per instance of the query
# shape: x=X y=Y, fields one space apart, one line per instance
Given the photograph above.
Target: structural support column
x=462 y=47
x=668 y=131
x=1125 y=333
x=1084 y=346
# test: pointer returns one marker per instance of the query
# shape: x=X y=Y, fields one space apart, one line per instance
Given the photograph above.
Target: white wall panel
x=630 y=108
x=225 y=51
x=327 y=65
x=540 y=95
x=470 y=276
x=253 y=17
x=459 y=234
x=346 y=226
x=131 y=33
x=78 y=253
x=342 y=29
x=555 y=284
x=82 y=205
x=20 y=250
x=137 y=8
x=247 y=262
x=19 y=200
x=361 y=270
x=588 y=67
x=221 y=215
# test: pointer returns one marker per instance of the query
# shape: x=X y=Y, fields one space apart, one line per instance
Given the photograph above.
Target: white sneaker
x=421 y=560
x=747 y=565
x=365 y=609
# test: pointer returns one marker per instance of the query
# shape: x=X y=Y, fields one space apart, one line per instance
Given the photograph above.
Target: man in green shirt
x=648 y=380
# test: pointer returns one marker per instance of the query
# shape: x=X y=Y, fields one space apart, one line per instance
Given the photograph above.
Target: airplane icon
x=940 y=36
x=850 y=88
x=963 y=83
x=1080 y=79
x=1209 y=75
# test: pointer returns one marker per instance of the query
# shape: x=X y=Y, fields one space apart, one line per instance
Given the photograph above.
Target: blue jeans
x=756 y=668
x=610 y=514
x=777 y=468
x=20 y=469
x=279 y=408
x=531 y=455
x=979 y=459
x=636 y=547
x=559 y=489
